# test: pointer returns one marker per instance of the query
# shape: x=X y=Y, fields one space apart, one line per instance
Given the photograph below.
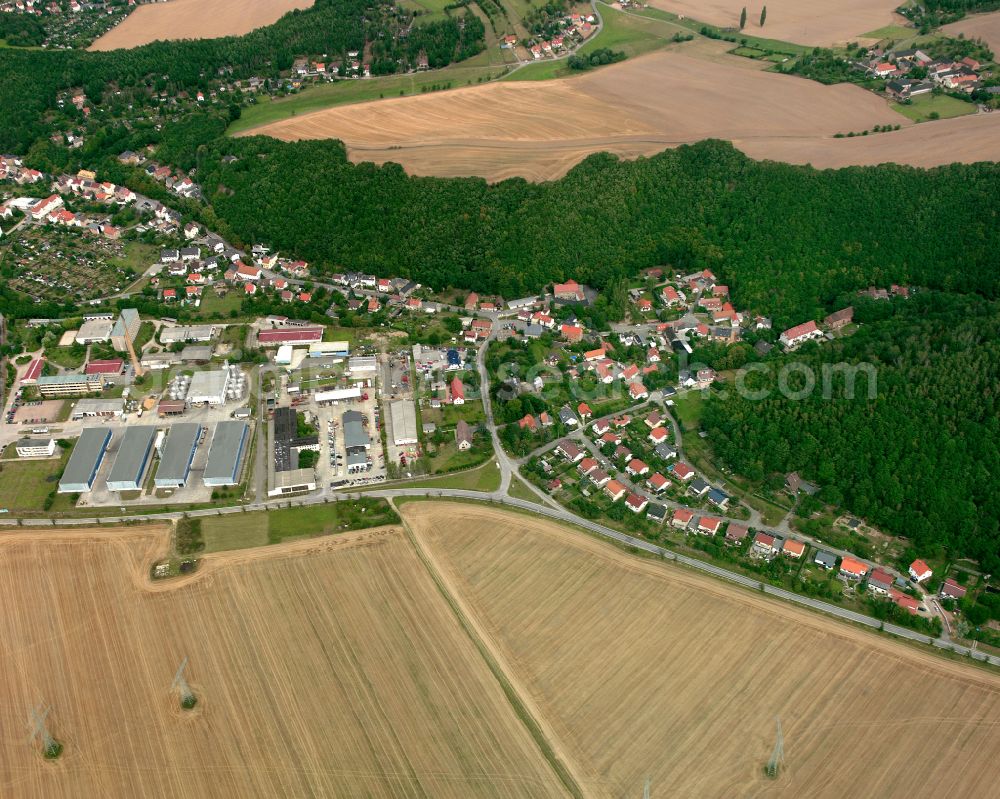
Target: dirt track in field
x=328 y=667
x=194 y=19
x=812 y=22
x=644 y=669
x=538 y=130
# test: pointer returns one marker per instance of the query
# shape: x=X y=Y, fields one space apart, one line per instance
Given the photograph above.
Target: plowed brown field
x=194 y=19
x=644 y=669
x=330 y=667
x=978 y=26
x=819 y=22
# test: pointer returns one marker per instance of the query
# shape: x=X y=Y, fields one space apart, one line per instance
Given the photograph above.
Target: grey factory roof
x=177 y=453
x=86 y=457
x=224 y=454
x=354 y=432
x=133 y=453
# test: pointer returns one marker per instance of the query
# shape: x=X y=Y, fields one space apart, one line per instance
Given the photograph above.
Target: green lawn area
x=244 y=530
x=430 y=10
x=485 y=478
x=326 y=95
x=139 y=256
x=895 y=32
x=212 y=303
x=24 y=484
x=921 y=108
x=67 y=357
x=520 y=490
x=448 y=458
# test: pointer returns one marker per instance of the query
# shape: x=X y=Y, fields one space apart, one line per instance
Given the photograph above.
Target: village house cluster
x=576 y=29
x=897 y=68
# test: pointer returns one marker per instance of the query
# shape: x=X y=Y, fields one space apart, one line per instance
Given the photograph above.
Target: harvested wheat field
x=194 y=19
x=538 y=130
x=812 y=22
x=644 y=669
x=978 y=26
x=329 y=667
x=963 y=139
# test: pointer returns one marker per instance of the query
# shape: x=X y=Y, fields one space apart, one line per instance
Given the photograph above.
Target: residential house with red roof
x=793 y=548
x=636 y=503
x=795 y=336
x=615 y=490
x=457 y=392
x=952 y=590
x=570 y=290
x=658 y=483
x=587 y=465
x=880 y=582
x=763 y=545
x=682 y=471
x=637 y=468
x=637 y=391
x=572 y=333
x=658 y=435
x=853 y=569
x=736 y=532
x=919 y=571
x=682 y=518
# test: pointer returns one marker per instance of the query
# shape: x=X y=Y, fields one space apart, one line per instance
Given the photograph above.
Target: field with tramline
x=539 y=129
x=194 y=19
x=330 y=667
x=642 y=670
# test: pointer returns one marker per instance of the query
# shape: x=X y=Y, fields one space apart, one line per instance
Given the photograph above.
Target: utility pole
x=188 y=699
x=777 y=755
x=51 y=748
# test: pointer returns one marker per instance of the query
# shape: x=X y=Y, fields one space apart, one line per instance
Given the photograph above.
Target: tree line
x=789 y=240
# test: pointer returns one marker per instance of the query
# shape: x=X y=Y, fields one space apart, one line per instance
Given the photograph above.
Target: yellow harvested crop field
x=538 y=130
x=814 y=22
x=330 y=667
x=643 y=669
x=194 y=19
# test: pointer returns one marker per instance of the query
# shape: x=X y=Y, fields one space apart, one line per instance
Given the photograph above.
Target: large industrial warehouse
x=404 y=422
x=130 y=462
x=209 y=388
x=176 y=455
x=225 y=453
x=83 y=464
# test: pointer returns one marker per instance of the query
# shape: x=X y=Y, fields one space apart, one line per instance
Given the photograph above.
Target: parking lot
x=36 y=412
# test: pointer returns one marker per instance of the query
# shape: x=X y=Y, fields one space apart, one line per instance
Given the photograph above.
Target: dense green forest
x=115 y=80
x=788 y=239
x=919 y=460
x=21 y=30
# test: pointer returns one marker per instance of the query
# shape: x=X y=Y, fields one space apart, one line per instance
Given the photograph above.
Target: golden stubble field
x=642 y=669
x=328 y=667
x=814 y=22
x=194 y=19
x=540 y=130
